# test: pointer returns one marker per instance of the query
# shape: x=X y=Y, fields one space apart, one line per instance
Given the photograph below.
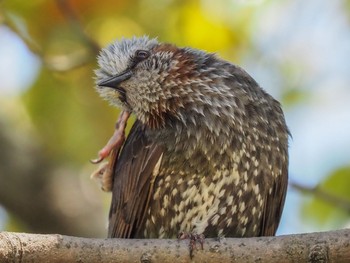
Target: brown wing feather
x=132 y=183
x=274 y=205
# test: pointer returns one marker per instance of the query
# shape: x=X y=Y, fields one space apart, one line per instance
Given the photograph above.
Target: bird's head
x=153 y=80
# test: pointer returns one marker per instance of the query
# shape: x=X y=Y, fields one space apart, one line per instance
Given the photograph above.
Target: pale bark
x=333 y=246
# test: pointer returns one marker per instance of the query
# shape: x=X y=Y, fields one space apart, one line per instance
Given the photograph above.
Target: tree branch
x=323 y=195
x=63 y=62
x=72 y=18
x=332 y=246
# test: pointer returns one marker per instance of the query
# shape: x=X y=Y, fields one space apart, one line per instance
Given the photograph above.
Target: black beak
x=113 y=82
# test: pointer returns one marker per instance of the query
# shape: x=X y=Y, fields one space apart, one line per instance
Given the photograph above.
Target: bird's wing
x=274 y=204
x=135 y=171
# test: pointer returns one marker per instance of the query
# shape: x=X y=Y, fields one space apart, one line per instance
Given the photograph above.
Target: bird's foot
x=193 y=237
x=117 y=139
x=104 y=173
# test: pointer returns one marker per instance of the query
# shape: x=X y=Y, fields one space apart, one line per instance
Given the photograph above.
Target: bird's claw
x=117 y=139
x=102 y=176
x=97 y=160
x=105 y=172
x=193 y=237
x=105 y=152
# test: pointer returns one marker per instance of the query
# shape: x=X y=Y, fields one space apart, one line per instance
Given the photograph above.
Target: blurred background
x=52 y=121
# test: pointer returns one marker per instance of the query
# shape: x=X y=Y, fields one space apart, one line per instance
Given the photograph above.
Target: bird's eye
x=141 y=55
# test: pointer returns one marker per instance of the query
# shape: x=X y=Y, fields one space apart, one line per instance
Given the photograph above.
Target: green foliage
x=70 y=118
x=330 y=210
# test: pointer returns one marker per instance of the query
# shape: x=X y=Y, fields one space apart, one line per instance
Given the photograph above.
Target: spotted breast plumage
x=208 y=152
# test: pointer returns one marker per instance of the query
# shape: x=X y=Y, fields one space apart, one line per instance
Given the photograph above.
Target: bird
x=207 y=153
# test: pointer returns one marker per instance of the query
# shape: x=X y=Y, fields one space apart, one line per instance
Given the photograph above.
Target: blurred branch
x=63 y=62
x=72 y=18
x=322 y=194
x=67 y=62
x=332 y=246
x=22 y=33
x=47 y=199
